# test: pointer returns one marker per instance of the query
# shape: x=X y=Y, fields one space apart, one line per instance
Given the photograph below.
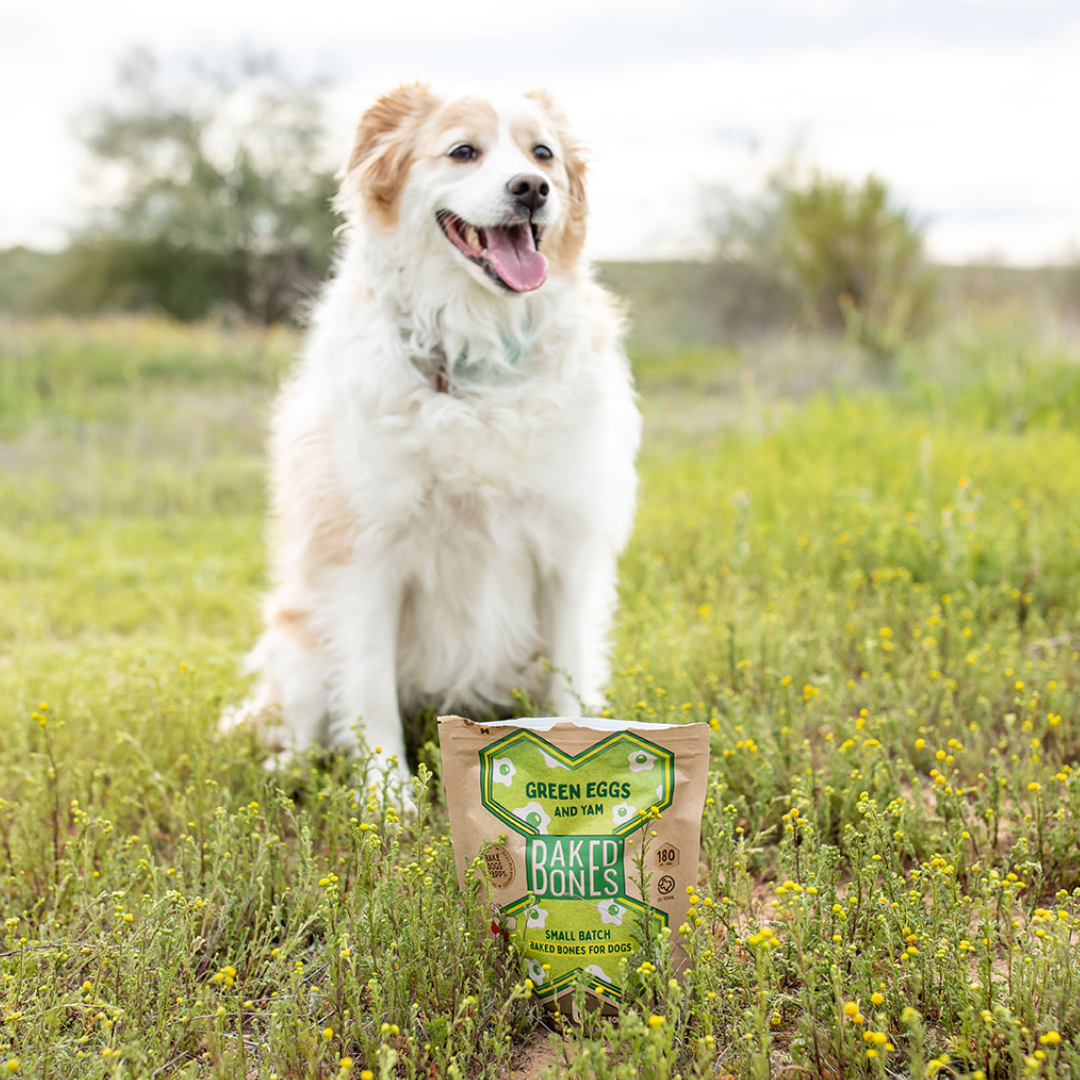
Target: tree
x=220 y=197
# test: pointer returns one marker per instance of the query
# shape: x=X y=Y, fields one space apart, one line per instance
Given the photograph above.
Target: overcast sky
x=966 y=107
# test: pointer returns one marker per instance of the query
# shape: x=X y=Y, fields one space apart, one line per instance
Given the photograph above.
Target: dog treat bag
x=559 y=810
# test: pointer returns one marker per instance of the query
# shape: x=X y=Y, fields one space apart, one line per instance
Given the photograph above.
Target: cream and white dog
x=453 y=459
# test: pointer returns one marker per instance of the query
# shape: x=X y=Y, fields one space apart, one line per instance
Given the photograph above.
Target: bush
x=852 y=257
x=858 y=261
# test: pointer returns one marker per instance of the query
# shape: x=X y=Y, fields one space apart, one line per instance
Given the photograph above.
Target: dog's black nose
x=530 y=190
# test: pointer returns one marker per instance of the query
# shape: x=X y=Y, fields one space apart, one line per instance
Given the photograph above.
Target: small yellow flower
x=656 y=1021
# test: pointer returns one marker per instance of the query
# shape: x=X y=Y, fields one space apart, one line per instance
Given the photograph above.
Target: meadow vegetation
x=868 y=587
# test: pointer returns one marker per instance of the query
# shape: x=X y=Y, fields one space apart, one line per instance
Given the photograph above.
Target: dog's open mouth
x=508 y=254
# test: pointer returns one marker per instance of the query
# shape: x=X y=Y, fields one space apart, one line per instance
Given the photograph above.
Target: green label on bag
x=575 y=812
x=538 y=789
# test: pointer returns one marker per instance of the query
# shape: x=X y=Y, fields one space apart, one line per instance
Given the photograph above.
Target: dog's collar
x=513 y=353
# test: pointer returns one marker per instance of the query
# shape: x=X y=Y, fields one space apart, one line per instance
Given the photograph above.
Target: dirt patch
x=536 y=1055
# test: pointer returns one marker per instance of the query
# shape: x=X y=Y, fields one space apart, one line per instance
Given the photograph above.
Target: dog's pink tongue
x=513 y=254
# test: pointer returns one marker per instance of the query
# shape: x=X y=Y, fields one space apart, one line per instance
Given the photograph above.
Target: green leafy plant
x=849 y=256
x=858 y=261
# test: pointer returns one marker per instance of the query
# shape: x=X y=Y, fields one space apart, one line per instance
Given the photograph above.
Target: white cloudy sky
x=967 y=107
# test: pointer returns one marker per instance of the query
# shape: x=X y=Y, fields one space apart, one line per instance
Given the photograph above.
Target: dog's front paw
x=386 y=790
x=260 y=719
x=564 y=702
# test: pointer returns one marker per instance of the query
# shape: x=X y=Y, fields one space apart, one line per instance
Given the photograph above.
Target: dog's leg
x=289 y=703
x=293 y=679
x=576 y=607
x=365 y=606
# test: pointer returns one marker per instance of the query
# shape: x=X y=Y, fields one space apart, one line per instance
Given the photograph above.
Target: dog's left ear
x=572 y=237
x=379 y=161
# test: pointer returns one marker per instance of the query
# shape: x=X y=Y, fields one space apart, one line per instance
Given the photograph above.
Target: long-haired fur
x=452 y=461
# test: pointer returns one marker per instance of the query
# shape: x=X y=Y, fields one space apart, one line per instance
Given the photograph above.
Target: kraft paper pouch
x=551 y=805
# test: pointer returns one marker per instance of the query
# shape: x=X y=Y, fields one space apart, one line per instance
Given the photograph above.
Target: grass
x=868 y=588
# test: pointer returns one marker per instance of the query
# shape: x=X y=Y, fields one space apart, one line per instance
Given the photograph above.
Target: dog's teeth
x=472 y=236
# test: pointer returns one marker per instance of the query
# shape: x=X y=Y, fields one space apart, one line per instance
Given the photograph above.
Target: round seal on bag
x=500 y=867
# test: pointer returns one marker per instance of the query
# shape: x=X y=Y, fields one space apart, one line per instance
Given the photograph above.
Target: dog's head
x=499 y=190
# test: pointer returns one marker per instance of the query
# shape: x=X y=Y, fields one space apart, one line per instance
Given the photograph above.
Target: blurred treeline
x=214 y=200
x=695 y=305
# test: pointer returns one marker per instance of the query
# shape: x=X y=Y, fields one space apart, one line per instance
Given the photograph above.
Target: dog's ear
x=378 y=163
x=572 y=235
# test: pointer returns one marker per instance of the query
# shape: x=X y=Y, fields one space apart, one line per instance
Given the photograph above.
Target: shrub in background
x=858 y=261
x=851 y=258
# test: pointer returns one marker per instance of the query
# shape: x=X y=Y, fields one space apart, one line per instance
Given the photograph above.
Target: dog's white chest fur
x=452 y=471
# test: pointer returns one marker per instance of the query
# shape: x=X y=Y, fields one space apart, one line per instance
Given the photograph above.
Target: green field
x=866 y=581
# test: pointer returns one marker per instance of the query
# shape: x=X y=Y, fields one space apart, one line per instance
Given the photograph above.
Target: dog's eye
x=542 y=152
x=464 y=152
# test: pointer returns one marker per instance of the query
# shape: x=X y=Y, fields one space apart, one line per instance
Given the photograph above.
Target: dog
x=453 y=459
